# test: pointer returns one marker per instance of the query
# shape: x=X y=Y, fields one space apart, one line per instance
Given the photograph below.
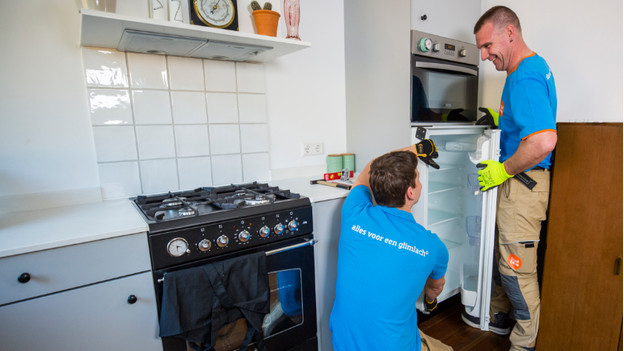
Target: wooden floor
x=447 y=326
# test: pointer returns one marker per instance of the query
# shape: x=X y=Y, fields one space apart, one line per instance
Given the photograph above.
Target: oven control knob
x=278 y=229
x=425 y=44
x=204 y=245
x=463 y=53
x=435 y=48
x=264 y=231
x=293 y=225
x=222 y=241
x=244 y=236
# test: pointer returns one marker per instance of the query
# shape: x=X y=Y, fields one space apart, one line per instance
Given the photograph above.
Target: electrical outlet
x=310 y=149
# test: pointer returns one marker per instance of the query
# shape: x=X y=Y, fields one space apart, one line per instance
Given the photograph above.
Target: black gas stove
x=192 y=225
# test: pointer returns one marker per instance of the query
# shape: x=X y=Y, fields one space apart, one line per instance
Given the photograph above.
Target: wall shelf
x=126 y=33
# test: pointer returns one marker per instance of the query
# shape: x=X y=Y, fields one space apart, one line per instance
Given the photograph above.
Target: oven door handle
x=445 y=67
x=292 y=247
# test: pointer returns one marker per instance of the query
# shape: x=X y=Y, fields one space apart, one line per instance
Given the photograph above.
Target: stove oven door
x=291 y=323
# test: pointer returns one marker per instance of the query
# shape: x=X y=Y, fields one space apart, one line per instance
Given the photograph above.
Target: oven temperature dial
x=293 y=225
x=278 y=229
x=222 y=241
x=264 y=231
x=244 y=236
x=204 y=245
x=425 y=44
x=178 y=247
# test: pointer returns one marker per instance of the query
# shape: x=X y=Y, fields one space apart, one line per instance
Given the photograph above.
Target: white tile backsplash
x=155 y=142
x=254 y=138
x=250 y=78
x=163 y=123
x=157 y=175
x=151 y=106
x=222 y=107
x=252 y=108
x=192 y=140
x=220 y=76
x=194 y=172
x=188 y=107
x=147 y=71
x=105 y=68
x=186 y=73
x=227 y=169
x=110 y=107
x=116 y=143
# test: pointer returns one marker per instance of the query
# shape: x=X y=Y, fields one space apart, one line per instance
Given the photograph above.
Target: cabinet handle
x=618 y=261
x=132 y=299
x=24 y=278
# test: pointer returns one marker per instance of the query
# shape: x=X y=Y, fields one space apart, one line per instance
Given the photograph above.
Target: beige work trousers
x=519 y=218
x=430 y=344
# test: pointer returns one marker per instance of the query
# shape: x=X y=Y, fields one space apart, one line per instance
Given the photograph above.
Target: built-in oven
x=445 y=79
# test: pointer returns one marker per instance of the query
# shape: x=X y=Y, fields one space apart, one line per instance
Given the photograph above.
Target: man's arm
x=433 y=288
x=364 y=177
x=531 y=151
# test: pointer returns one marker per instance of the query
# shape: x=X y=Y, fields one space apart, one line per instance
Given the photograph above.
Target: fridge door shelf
x=469 y=282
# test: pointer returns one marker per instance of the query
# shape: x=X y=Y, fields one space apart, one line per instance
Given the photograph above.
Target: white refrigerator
x=452 y=206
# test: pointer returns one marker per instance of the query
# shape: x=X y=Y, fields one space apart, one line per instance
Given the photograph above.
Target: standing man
x=528 y=137
x=386 y=259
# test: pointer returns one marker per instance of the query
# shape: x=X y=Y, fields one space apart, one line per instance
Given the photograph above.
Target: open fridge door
x=453 y=207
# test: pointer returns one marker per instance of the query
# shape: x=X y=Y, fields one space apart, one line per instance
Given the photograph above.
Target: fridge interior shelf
x=437 y=217
x=146 y=35
x=469 y=281
x=436 y=188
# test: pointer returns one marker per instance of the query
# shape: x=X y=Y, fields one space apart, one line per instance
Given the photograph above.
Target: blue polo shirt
x=384 y=260
x=528 y=105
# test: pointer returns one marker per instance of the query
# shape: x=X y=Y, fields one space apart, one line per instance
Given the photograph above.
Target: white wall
x=582 y=43
x=46 y=141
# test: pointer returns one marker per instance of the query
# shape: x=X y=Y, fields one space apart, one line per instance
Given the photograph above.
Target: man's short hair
x=500 y=16
x=390 y=176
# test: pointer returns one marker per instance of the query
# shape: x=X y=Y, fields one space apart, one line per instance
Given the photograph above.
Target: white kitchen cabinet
x=327 y=231
x=97 y=295
x=146 y=35
x=447 y=18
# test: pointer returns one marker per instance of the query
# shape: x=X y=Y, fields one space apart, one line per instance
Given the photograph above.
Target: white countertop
x=28 y=231
x=42 y=229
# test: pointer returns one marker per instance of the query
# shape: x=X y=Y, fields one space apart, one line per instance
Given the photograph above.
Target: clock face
x=215 y=13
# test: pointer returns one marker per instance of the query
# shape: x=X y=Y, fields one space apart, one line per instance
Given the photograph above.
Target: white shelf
x=106 y=30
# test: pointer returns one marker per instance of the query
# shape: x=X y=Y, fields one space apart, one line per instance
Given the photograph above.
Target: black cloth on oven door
x=199 y=301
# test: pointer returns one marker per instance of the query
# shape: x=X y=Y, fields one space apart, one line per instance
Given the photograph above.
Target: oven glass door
x=443 y=91
x=291 y=321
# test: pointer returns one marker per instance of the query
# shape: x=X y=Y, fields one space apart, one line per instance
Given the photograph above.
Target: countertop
x=29 y=231
x=42 y=229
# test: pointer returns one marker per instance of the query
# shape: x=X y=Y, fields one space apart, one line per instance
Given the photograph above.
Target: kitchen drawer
x=72 y=266
x=98 y=317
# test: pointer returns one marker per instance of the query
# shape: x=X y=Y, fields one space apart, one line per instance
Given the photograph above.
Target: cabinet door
x=96 y=317
x=582 y=282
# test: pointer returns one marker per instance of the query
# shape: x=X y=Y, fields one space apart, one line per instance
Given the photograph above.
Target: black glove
x=431 y=305
x=426 y=150
x=455 y=115
x=489 y=119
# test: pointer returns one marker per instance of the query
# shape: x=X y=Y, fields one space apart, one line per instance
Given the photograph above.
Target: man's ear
x=409 y=194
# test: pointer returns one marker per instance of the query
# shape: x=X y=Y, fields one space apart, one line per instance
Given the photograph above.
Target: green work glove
x=427 y=150
x=492 y=174
x=454 y=115
x=489 y=119
x=431 y=305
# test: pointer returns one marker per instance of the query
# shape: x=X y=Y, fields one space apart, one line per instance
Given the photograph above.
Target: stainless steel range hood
x=165 y=44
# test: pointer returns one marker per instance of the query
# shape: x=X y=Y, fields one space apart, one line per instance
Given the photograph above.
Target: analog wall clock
x=214 y=13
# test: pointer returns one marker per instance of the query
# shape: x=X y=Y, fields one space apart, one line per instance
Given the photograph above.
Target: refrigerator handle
x=618 y=262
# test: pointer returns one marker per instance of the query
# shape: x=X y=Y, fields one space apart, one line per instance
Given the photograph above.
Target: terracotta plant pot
x=266 y=22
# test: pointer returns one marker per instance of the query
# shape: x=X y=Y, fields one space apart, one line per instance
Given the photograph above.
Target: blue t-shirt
x=528 y=105
x=384 y=260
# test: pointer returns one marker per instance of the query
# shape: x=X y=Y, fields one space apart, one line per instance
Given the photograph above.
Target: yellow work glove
x=490 y=118
x=431 y=305
x=427 y=150
x=492 y=174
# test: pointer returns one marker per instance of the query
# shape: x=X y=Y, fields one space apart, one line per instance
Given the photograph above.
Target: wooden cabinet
x=582 y=282
x=98 y=295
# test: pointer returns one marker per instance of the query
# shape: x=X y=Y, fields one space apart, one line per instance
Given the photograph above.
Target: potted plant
x=265 y=18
